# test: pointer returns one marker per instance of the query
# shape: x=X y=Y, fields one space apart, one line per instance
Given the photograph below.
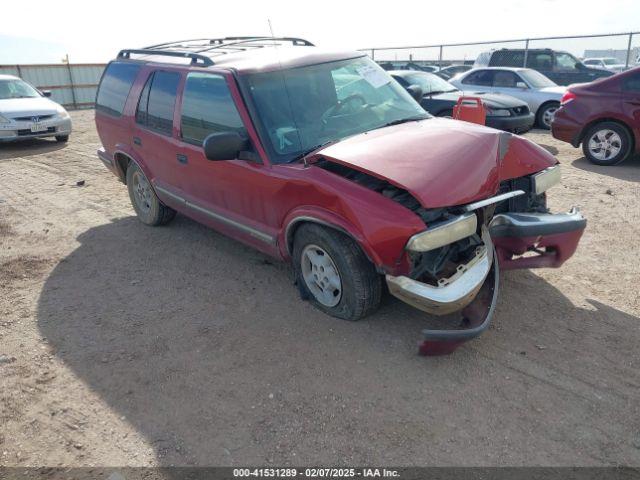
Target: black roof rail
x=196 y=59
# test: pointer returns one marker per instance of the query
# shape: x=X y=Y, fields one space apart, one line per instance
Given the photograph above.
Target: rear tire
x=607 y=143
x=62 y=138
x=334 y=273
x=545 y=113
x=148 y=207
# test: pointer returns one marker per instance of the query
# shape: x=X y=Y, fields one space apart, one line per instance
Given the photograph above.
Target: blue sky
x=94 y=32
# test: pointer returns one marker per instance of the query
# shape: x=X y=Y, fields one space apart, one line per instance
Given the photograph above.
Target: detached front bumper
x=473 y=290
x=551 y=238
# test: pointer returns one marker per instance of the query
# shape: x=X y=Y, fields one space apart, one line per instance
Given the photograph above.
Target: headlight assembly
x=63 y=113
x=547 y=178
x=444 y=233
x=498 y=112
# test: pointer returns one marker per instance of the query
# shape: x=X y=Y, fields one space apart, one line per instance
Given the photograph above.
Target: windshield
x=429 y=83
x=536 y=80
x=16 y=88
x=610 y=61
x=301 y=108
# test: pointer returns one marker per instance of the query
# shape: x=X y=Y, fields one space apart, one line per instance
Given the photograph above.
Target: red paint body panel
x=601 y=100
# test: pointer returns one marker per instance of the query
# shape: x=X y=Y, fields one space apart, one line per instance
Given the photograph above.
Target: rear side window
x=481 y=77
x=207 y=107
x=114 y=87
x=540 y=60
x=507 y=58
x=158 y=101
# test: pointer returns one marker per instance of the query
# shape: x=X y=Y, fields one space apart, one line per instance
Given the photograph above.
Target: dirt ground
x=122 y=344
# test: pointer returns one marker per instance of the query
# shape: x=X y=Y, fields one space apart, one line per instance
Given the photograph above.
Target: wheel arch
x=294 y=222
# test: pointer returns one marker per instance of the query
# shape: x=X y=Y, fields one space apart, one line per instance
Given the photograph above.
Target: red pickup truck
x=321 y=159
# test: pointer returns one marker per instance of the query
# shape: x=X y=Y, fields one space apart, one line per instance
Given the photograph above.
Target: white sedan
x=541 y=94
x=25 y=112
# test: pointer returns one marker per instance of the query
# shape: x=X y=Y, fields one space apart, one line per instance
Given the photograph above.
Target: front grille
x=519 y=111
x=529 y=202
x=33 y=118
x=26 y=132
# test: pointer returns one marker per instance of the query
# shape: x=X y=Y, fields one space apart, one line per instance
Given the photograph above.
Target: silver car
x=541 y=94
x=25 y=112
x=605 y=63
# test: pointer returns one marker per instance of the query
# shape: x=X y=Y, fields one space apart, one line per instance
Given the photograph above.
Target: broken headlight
x=547 y=178
x=444 y=233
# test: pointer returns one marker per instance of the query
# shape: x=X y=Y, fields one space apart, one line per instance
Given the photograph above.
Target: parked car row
x=438 y=97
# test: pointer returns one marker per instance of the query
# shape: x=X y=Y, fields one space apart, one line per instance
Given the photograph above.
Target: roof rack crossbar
x=195 y=57
x=226 y=41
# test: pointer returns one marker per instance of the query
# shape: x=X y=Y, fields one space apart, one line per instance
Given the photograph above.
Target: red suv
x=321 y=159
x=603 y=116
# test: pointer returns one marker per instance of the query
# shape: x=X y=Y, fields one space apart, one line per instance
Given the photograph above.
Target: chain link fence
x=624 y=47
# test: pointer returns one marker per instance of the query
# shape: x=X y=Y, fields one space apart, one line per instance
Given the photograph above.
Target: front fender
x=314 y=214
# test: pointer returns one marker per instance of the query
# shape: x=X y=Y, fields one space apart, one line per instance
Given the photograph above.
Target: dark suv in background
x=561 y=67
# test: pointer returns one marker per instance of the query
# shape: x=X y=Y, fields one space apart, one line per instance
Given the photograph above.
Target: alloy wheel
x=605 y=144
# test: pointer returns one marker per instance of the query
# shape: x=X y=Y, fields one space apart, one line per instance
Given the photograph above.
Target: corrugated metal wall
x=73 y=86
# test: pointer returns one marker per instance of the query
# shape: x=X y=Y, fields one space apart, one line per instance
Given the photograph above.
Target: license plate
x=36 y=127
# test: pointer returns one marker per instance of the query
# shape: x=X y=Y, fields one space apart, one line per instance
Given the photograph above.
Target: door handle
x=182 y=158
x=137 y=141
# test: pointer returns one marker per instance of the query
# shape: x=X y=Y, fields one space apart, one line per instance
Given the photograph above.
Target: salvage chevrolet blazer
x=321 y=159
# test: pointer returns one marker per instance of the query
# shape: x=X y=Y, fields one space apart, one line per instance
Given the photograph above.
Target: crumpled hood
x=22 y=107
x=441 y=162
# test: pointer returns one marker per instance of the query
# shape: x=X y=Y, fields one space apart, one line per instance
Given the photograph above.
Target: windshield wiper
x=310 y=150
x=405 y=120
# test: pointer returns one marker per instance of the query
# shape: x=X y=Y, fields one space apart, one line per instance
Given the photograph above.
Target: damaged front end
x=455 y=263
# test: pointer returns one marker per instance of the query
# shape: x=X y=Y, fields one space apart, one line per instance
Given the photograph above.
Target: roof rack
x=196 y=59
x=194 y=48
x=216 y=43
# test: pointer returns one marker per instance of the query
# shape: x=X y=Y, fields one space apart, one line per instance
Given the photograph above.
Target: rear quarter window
x=114 y=87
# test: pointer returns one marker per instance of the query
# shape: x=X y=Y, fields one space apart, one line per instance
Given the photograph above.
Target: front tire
x=545 y=114
x=334 y=273
x=607 y=143
x=149 y=209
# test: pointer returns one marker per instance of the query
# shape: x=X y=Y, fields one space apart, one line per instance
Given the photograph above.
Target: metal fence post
x=526 y=52
x=73 y=92
x=626 y=64
x=440 y=58
x=373 y=54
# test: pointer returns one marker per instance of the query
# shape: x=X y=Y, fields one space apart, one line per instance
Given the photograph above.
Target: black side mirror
x=224 y=145
x=416 y=92
x=45 y=93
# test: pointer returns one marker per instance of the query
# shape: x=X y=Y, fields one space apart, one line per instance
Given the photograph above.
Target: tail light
x=567 y=97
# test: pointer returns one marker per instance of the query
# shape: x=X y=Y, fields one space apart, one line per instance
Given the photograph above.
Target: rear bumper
x=517 y=124
x=552 y=238
x=566 y=129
